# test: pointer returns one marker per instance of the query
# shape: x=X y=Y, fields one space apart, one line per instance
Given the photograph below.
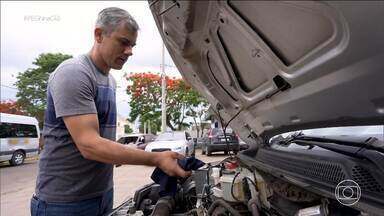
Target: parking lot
x=18 y=183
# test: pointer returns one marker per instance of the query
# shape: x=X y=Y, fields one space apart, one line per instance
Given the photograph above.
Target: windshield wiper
x=371 y=149
x=370 y=143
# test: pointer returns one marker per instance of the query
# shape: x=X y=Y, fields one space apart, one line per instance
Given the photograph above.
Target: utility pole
x=145 y=128
x=163 y=94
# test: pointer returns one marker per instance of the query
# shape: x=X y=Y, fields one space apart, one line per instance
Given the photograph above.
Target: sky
x=31 y=28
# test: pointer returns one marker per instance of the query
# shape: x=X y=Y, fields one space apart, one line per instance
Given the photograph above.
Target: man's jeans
x=92 y=207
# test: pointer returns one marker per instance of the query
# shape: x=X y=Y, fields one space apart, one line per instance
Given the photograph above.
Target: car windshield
x=219 y=131
x=171 y=136
x=355 y=131
x=128 y=139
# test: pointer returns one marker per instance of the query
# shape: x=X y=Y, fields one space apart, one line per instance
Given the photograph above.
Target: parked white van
x=19 y=138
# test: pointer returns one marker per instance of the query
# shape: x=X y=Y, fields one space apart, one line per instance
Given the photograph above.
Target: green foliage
x=145 y=92
x=32 y=84
x=197 y=112
x=127 y=129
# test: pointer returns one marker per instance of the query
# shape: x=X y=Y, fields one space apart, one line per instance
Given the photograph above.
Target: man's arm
x=84 y=130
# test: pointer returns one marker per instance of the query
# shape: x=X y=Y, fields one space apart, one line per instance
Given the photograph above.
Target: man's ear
x=98 y=35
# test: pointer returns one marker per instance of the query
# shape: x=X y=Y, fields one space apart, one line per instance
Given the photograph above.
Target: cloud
x=31 y=28
x=7 y=93
x=8 y=75
x=8 y=78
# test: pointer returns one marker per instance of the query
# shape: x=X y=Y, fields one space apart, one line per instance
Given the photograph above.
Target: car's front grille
x=161 y=149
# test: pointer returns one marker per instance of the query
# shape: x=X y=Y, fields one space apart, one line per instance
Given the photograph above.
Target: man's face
x=116 y=47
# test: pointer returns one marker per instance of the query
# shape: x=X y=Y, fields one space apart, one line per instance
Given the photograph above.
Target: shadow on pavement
x=6 y=164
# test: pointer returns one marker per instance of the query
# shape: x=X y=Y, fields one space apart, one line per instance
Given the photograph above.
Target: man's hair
x=111 y=18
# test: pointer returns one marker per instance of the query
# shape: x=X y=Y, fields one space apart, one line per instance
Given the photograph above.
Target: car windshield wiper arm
x=361 y=150
x=370 y=143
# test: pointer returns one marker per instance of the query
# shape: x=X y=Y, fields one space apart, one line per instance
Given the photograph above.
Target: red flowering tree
x=11 y=107
x=145 y=92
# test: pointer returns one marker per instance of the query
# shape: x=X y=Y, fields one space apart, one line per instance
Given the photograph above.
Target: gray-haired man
x=76 y=166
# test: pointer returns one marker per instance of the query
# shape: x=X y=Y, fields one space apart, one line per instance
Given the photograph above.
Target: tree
x=183 y=101
x=145 y=92
x=197 y=113
x=11 y=107
x=32 y=84
x=127 y=129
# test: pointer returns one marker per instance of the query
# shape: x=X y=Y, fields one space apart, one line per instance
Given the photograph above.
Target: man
x=76 y=166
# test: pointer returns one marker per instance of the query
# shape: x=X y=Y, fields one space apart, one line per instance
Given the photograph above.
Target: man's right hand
x=167 y=161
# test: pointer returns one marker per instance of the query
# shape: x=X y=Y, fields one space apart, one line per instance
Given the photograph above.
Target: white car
x=177 y=141
x=19 y=138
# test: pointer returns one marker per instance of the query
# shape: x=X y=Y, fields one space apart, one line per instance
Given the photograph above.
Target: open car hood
x=281 y=66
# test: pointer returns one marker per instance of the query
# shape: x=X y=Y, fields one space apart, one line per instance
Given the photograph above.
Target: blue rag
x=168 y=184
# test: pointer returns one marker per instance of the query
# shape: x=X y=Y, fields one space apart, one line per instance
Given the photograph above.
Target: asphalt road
x=17 y=183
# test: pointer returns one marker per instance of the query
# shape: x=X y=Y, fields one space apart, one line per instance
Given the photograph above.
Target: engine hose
x=163 y=207
x=253 y=206
x=220 y=202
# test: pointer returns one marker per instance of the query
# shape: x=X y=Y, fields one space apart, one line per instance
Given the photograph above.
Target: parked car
x=243 y=145
x=177 y=141
x=19 y=138
x=201 y=142
x=273 y=67
x=217 y=142
x=139 y=140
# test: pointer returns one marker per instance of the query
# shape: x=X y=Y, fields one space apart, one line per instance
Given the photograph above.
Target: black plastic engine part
x=164 y=206
x=221 y=203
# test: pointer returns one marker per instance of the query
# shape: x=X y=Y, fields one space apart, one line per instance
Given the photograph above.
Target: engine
x=231 y=188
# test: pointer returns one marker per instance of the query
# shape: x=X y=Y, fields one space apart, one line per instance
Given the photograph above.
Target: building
x=120 y=126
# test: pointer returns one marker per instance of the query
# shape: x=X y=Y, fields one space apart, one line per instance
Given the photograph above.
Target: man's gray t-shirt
x=76 y=87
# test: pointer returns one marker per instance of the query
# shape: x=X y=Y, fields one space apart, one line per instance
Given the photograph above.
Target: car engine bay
x=241 y=186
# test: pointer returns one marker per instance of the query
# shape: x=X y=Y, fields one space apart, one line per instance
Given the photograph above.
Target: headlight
x=178 y=148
